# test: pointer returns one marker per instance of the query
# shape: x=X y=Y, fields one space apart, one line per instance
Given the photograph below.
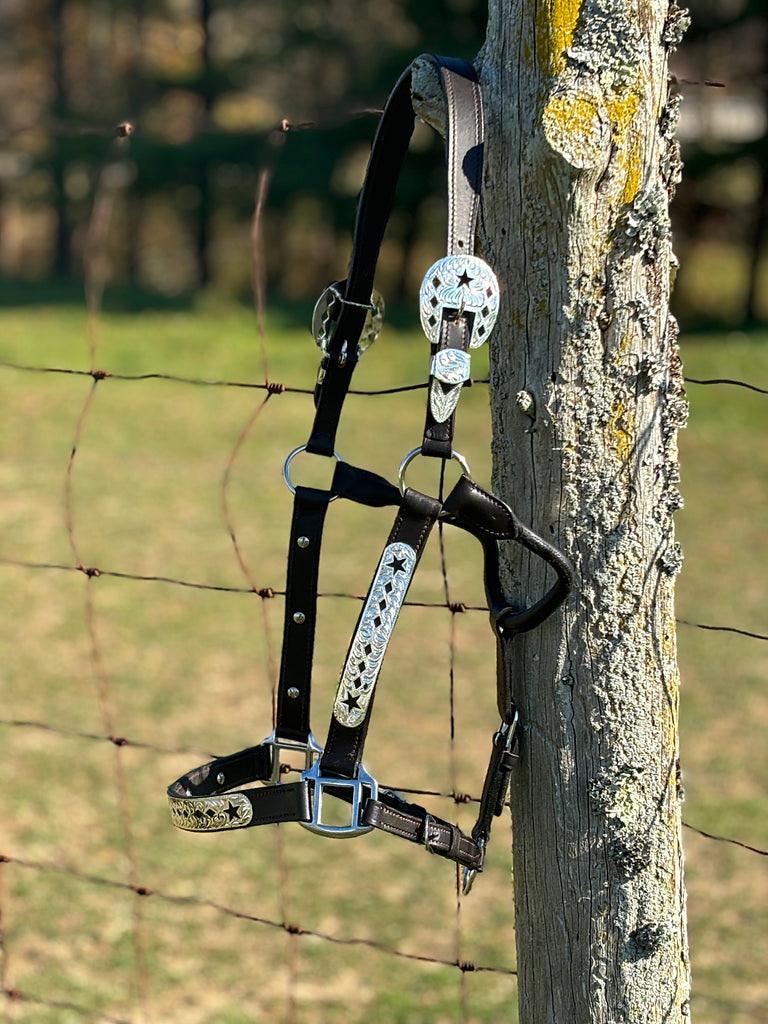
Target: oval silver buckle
x=457 y=285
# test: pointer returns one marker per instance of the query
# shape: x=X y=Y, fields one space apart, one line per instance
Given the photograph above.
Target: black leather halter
x=458 y=306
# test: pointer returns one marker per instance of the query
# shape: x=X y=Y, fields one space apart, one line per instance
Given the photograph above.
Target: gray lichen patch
x=648 y=939
x=675 y=27
x=607 y=43
x=644 y=225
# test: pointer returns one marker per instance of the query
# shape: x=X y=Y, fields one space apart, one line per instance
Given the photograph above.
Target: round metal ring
x=417 y=451
x=289 y=460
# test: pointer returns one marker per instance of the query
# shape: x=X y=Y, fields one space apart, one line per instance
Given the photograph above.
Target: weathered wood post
x=587 y=398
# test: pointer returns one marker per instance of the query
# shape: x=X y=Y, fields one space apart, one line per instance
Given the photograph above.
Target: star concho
x=369 y=643
x=211 y=813
x=462 y=283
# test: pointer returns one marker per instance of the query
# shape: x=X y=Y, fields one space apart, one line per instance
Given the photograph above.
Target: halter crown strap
x=464 y=142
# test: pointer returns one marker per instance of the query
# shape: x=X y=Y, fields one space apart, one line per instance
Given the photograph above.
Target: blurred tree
x=723 y=196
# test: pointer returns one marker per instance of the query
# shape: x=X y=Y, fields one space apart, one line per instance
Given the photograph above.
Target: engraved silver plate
x=461 y=283
x=451 y=366
x=369 y=643
x=211 y=813
x=449 y=370
x=328 y=309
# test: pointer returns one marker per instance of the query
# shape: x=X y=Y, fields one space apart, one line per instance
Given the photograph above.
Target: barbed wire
x=293 y=929
x=95 y=264
x=454 y=795
x=728 y=380
x=279 y=388
x=266 y=593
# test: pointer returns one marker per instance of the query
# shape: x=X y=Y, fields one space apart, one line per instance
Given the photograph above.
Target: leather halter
x=458 y=306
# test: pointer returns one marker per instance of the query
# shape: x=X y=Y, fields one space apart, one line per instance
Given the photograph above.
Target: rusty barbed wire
x=95 y=262
x=293 y=390
x=145 y=892
x=457 y=798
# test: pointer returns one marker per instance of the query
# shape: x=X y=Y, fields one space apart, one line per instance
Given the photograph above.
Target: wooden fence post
x=587 y=398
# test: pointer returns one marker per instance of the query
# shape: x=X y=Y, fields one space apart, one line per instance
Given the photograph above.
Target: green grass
x=193 y=668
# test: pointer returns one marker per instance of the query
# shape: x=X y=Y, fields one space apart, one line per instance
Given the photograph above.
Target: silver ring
x=417 y=451
x=291 y=457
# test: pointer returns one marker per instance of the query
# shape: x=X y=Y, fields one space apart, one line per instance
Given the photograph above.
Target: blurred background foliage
x=204 y=83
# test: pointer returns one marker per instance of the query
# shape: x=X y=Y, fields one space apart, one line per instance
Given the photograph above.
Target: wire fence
x=19 y=871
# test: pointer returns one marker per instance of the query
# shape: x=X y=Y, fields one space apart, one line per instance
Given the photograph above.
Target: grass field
x=188 y=670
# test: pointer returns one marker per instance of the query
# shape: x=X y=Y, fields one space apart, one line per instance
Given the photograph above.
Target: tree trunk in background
x=60 y=110
x=203 y=173
x=587 y=397
x=751 y=310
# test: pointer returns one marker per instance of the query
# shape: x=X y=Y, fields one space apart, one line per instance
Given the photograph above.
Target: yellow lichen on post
x=620 y=429
x=576 y=126
x=557 y=22
x=622 y=108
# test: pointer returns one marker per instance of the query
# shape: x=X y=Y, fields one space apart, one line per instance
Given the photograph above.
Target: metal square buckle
x=311 y=750
x=362 y=788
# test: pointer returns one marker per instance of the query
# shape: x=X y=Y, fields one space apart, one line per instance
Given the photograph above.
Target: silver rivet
x=220 y=778
x=303 y=542
x=293 y=692
x=299 y=618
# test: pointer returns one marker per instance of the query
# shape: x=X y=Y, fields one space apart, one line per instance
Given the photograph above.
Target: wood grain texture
x=587 y=399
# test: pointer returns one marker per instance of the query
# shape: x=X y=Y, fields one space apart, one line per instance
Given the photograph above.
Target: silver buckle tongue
x=311 y=750
x=363 y=787
x=328 y=310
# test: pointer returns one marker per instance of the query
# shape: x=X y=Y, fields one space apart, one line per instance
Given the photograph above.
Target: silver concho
x=460 y=283
x=211 y=813
x=369 y=643
x=328 y=309
x=449 y=370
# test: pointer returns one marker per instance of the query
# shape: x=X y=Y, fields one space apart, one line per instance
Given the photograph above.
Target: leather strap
x=375 y=205
x=309 y=510
x=410 y=821
x=354 y=697
x=207 y=799
x=491 y=520
x=464 y=142
x=294 y=683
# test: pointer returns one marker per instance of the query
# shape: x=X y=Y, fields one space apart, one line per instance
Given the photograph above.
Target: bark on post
x=587 y=398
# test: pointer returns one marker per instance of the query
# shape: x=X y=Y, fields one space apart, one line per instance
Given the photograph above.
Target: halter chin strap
x=458 y=305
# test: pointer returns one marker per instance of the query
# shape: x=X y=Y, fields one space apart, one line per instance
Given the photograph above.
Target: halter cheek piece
x=458 y=306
